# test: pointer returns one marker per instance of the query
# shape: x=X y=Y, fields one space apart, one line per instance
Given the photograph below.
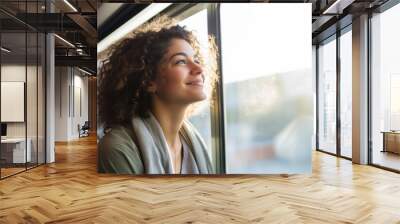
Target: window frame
x=181 y=12
x=218 y=126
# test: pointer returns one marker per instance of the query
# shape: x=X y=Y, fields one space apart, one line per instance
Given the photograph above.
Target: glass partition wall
x=327 y=95
x=385 y=89
x=345 y=61
x=22 y=79
x=335 y=121
x=334 y=58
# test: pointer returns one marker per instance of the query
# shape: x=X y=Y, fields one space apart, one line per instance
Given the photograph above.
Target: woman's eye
x=197 y=61
x=181 y=62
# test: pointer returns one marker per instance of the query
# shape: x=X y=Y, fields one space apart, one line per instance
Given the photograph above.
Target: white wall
x=12 y=73
x=61 y=103
x=16 y=72
x=71 y=93
x=33 y=126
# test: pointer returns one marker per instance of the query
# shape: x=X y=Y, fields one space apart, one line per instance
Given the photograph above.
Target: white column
x=360 y=90
x=50 y=101
x=50 y=93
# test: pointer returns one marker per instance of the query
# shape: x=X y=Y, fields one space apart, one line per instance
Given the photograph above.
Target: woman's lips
x=196 y=83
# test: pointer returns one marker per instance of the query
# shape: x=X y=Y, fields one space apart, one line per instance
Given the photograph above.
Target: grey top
x=141 y=148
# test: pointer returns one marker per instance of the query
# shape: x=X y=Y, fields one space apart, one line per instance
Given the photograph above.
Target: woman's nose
x=197 y=68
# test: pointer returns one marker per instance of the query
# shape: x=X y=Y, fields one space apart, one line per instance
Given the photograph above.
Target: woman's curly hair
x=133 y=62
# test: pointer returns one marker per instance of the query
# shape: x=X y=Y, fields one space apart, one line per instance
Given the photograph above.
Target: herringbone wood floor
x=71 y=191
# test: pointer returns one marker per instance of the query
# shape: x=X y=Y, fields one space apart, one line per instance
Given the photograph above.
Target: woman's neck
x=171 y=119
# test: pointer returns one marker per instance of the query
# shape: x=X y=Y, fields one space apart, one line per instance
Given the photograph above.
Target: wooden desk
x=13 y=150
x=391 y=141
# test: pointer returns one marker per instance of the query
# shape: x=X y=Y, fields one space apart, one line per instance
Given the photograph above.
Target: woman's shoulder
x=117 y=135
x=118 y=152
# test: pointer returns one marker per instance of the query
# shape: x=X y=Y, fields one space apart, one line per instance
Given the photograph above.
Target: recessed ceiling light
x=338 y=6
x=70 y=5
x=5 y=49
x=64 y=40
x=84 y=71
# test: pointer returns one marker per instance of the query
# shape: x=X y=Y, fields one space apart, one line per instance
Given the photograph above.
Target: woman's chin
x=202 y=96
x=198 y=97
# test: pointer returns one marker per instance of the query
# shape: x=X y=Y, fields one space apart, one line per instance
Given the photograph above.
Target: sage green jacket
x=140 y=148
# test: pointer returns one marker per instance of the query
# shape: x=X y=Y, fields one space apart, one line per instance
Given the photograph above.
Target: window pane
x=201 y=119
x=269 y=115
x=41 y=98
x=31 y=100
x=327 y=96
x=386 y=88
x=394 y=101
x=346 y=93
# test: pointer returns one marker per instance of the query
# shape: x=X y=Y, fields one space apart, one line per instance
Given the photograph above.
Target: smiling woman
x=148 y=88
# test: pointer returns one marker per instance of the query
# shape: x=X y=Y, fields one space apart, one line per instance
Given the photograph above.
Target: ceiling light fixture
x=337 y=7
x=5 y=50
x=70 y=5
x=84 y=71
x=64 y=40
x=142 y=17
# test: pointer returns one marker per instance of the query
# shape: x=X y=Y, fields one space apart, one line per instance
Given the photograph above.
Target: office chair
x=84 y=130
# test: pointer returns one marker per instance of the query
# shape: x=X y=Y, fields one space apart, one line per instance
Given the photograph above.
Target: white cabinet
x=16 y=148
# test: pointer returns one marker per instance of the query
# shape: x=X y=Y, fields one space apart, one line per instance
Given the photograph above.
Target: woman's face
x=180 y=76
